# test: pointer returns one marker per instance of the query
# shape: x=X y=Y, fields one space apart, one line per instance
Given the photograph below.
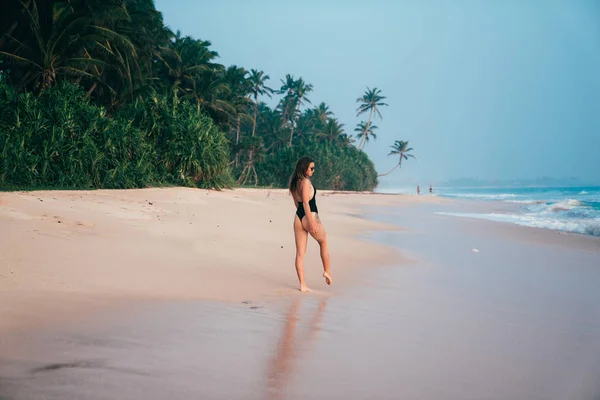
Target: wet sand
x=518 y=319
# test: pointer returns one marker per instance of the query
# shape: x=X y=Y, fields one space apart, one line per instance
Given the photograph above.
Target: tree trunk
x=255 y=175
x=292 y=134
x=363 y=142
x=285 y=112
x=396 y=166
x=94 y=85
x=255 y=113
x=242 y=174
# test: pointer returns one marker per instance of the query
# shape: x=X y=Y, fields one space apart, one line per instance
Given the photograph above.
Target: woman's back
x=304 y=186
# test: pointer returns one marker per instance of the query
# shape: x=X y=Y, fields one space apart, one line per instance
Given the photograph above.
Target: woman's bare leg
x=301 y=237
x=321 y=237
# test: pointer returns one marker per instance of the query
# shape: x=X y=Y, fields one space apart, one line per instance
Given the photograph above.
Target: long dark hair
x=299 y=172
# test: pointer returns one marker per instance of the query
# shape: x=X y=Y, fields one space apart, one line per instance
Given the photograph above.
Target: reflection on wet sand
x=289 y=346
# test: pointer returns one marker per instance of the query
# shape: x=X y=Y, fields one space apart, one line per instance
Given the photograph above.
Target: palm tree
x=185 y=62
x=258 y=81
x=286 y=104
x=301 y=90
x=210 y=95
x=187 y=69
x=62 y=40
x=365 y=130
x=400 y=148
x=332 y=131
x=296 y=92
x=323 y=113
x=238 y=88
x=370 y=101
x=346 y=140
x=129 y=77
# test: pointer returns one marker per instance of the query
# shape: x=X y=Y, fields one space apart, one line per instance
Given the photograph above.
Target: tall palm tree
x=301 y=90
x=400 y=148
x=238 y=89
x=365 y=131
x=370 y=101
x=258 y=81
x=287 y=103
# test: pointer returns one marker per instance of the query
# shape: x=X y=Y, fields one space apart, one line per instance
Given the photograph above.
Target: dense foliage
x=59 y=139
x=100 y=93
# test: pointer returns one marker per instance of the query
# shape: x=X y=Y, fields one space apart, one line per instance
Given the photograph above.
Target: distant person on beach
x=418 y=190
x=430 y=190
x=307 y=219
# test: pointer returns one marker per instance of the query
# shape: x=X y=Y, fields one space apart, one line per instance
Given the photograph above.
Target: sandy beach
x=183 y=293
x=173 y=243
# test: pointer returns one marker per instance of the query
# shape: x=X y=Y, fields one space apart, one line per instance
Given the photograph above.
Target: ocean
x=567 y=209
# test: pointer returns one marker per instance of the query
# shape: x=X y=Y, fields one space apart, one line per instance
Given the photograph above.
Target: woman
x=307 y=219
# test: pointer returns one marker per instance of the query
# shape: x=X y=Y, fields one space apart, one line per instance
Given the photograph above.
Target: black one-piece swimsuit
x=312 y=203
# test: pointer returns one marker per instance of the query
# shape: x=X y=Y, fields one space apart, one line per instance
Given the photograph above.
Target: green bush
x=61 y=140
x=189 y=148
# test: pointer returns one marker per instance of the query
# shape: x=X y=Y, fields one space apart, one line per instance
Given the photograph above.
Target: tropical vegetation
x=399 y=148
x=101 y=94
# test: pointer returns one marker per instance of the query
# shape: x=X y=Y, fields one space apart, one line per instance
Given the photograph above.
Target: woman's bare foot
x=304 y=288
x=327 y=277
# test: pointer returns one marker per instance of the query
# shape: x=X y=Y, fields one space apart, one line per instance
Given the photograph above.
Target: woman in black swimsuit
x=307 y=219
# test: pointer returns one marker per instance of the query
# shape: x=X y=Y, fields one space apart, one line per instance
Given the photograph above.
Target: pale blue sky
x=485 y=89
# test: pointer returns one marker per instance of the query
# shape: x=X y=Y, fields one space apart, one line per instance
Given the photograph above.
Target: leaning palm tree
x=258 y=81
x=370 y=101
x=400 y=148
x=365 y=131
